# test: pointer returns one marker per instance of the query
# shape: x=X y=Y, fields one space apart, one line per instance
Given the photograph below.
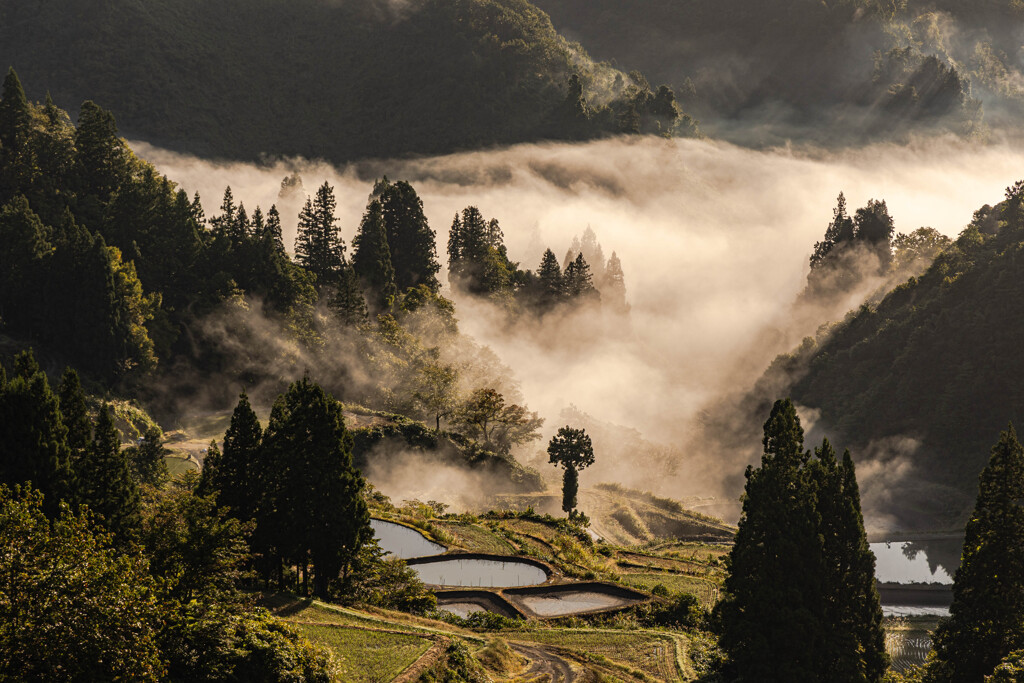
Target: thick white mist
x=714 y=241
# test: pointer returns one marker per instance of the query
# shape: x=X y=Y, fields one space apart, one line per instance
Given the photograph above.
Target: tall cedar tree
x=853 y=646
x=75 y=411
x=318 y=244
x=578 y=282
x=33 y=438
x=550 y=285
x=800 y=603
x=314 y=509
x=410 y=239
x=105 y=480
x=572 y=450
x=988 y=591
x=613 y=287
x=235 y=480
x=371 y=259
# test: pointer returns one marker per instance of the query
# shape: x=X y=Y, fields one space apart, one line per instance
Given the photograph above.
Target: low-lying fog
x=714 y=242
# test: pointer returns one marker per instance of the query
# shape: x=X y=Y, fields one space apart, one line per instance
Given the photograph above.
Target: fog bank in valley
x=714 y=242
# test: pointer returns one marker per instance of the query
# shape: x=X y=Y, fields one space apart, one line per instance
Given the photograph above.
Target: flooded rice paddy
x=403 y=542
x=480 y=573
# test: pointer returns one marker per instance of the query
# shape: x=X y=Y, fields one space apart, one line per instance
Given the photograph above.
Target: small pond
x=480 y=573
x=403 y=542
x=570 y=602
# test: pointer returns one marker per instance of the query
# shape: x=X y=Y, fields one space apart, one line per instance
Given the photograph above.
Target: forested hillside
x=927 y=374
x=835 y=73
x=333 y=80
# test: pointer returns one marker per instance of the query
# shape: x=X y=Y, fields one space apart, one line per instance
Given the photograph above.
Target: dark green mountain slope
x=938 y=360
x=335 y=79
x=836 y=72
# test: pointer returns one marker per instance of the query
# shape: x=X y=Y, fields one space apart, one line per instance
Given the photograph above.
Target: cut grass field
x=177 y=465
x=652 y=653
x=706 y=591
x=476 y=538
x=366 y=656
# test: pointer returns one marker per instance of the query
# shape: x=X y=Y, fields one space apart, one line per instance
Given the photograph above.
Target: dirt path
x=543 y=662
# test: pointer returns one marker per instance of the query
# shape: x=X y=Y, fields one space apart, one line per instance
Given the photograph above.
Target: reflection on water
x=480 y=573
x=403 y=542
x=933 y=561
x=914 y=611
x=566 y=602
x=462 y=609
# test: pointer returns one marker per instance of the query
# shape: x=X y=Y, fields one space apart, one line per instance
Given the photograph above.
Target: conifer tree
x=33 y=438
x=800 y=601
x=410 y=239
x=75 y=411
x=613 y=288
x=318 y=244
x=347 y=301
x=149 y=467
x=105 y=480
x=314 y=510
x=839 y=231
x=101 y=156
x=235 y=478
x=15 y=115
x=985 y=622
x=593 y=253
x=371 y=258
x=852 y=637
x=272 y=230
x=578 y=282
x=768 y=620
x=550 y=285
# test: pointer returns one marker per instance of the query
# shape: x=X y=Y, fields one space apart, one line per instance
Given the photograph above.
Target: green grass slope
x=317 y=78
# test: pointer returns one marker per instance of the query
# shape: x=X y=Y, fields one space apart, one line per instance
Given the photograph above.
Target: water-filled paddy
x=462 y=609
x=570 y=602
x=480 y=573
x=403 y=542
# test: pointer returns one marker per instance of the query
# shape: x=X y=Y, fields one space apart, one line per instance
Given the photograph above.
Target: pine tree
x=853 y=640
x=550 y=285
x=839 y=231
x=318 y=244
x=800 y=601
x=15 y=115
x=371 y=258
x=410 y=239
x=222 y=224
x=105 y=480
x=101 y=158
x=33 y=438
x=770 y=630
x=988 y=591
x=613 y=288
x=347 y=302
x=314 y=506
x=593 y=253
x=272 y=231
x=76 y=412
x=236 y=474
x=579 y=283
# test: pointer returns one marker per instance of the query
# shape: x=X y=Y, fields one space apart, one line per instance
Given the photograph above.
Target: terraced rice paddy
x=477 y=573
x=403 y=542
x=908 y=641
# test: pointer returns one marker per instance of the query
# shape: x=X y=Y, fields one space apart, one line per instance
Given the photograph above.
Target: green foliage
x=1009 y=670
x=71 y=607
x=573 y=451
x=318 y=244
x=410 y=239
x=445 y=75
x=961 y=315
x=311 y=507
x=33 y=438
x=371 y=258
x=149 y=467
x=105 y=480
x=988 y=591
x=800 y=601
x=486 y=417
x=387 y=582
